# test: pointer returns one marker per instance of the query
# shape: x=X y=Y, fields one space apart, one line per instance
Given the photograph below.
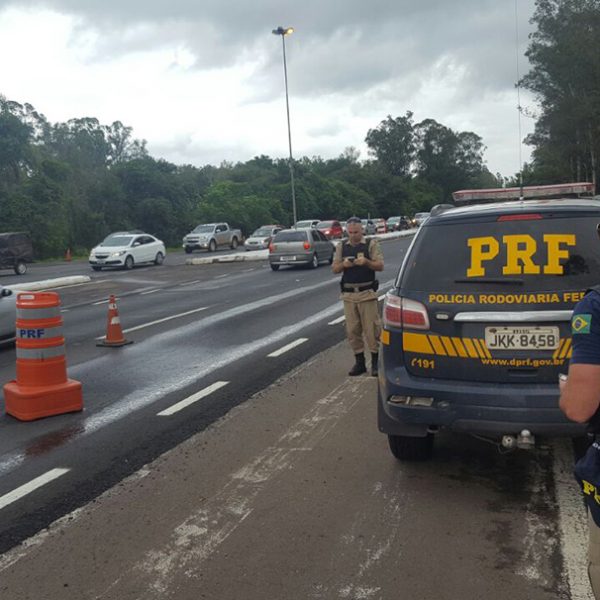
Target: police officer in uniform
x=358 y=260
x=580 y=396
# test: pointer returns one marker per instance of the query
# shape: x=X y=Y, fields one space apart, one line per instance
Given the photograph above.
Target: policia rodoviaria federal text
x=358 y=260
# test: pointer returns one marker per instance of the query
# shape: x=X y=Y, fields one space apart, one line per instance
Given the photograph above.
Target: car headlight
x=120 y=253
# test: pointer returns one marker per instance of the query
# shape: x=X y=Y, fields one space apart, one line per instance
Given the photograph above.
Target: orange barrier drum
x=41 y=388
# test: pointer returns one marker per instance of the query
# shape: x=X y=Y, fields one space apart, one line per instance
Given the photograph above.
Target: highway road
x=193 y=327
x=226 y=455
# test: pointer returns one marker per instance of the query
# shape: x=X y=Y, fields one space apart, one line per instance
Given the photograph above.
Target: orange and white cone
x=114 y=334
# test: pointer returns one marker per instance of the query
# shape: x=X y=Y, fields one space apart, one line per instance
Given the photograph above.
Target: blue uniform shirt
x=585 y=327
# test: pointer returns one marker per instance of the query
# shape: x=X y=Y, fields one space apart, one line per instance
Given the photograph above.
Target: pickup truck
x=209 y=236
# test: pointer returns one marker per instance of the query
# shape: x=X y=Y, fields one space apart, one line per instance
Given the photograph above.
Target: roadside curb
x=47 y=284
x=264 y=254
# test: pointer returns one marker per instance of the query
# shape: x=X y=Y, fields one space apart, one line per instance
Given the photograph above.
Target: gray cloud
x=338 y=46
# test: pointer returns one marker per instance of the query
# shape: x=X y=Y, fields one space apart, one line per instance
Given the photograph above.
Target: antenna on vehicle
x=519 y=107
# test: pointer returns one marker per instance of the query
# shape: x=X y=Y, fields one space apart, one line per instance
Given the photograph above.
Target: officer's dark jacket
x=356 y=275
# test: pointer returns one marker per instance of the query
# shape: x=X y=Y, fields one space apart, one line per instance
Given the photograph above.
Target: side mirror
x=6 y=292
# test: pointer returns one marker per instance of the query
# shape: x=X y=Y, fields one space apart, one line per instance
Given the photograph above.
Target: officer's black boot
x=374 y=360
x=359 y=366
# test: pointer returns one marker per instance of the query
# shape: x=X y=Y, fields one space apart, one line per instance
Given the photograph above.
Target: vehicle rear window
x=552 y=253
x=322 y=224
x=290 y=236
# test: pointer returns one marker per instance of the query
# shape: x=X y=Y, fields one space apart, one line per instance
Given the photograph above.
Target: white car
x=124 y=249
x=8 y=315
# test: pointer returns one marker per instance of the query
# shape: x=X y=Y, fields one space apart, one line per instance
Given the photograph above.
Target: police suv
x=478 y=324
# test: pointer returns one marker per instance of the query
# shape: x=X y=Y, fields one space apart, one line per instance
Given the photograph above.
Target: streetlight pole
x=283 y=31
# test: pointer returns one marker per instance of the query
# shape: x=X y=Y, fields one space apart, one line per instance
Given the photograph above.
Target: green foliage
x=70 y=184
x=565 y=76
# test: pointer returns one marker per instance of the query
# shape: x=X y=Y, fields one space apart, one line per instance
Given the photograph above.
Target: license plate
x=287 y=259
x=522 y=338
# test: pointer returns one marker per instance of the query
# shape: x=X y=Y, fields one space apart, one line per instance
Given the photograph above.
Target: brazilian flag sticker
x=581 y=324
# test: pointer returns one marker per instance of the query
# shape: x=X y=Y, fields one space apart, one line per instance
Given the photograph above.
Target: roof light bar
x=559 y=190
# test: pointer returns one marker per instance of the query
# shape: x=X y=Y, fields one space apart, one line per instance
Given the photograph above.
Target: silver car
x=262 y=237
x=8 y=315
x=300 y=247
x=369 y=227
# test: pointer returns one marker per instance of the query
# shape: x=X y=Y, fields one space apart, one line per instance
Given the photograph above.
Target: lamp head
x=283 y=30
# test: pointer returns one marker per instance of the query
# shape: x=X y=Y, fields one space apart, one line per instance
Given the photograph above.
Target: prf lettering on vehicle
x=520 y=254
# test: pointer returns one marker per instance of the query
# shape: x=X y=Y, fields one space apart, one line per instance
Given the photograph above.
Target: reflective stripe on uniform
x=40 y=353
x=38 y=313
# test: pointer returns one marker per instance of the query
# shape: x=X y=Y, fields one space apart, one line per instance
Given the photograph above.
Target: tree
x=392 y=144
x=565 y=77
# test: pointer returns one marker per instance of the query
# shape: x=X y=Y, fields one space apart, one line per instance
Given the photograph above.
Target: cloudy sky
x=202 y=80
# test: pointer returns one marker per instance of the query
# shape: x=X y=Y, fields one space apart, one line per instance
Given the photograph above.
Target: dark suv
x=477 y=326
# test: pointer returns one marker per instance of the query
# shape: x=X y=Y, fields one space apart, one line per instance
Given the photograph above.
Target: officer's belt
x=358 y=287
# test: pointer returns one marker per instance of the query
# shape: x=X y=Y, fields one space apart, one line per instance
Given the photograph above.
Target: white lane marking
x=197 y=537
x=221 y=276
x=191 y=399
x=33 y=485
x=100 y=302
x=190 y=282
x=183 y=314
x=248 y=270
x=572 y=519
x=338 y=320
x=64 y=310
x=286 y=348
x=150 y=292
x=146 y=396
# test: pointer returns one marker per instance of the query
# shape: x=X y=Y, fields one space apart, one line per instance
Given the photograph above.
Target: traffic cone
x=68 y=255
x=114 y=334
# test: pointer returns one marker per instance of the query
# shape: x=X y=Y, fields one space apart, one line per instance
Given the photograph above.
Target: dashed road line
x=33 y=485
x=100 y=302
x=221 y=276
x=150 y=292
x=190 y=282
x=191 y=399
x=287 y=348
x=137 y=327
x=338 y=320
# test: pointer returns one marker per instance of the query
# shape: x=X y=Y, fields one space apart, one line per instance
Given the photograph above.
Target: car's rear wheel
x=96 y=268
x=21 y=268
x=212 y=246
x=411 y=448
x=159 y=259
x=275 y=267
x=188 y=250
x=234 y=243
x=129 y=262
x=314 y=263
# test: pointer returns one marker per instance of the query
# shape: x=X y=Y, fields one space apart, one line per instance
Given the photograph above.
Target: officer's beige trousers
x=362 y=321
x=594 y=556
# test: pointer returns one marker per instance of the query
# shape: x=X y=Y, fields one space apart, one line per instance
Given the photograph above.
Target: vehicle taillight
x=307 y=246
x=402 y=312
x=271 y=247
x=327 y=231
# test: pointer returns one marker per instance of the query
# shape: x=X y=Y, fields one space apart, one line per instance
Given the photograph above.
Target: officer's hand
x=360 y=261
x=348 y=263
